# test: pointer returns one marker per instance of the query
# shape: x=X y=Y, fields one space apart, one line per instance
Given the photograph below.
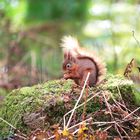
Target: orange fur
x=81 y=58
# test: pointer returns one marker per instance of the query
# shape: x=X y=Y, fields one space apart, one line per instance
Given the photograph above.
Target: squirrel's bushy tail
x=71 y=45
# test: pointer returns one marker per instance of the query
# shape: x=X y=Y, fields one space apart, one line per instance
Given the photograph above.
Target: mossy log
x=43 y=105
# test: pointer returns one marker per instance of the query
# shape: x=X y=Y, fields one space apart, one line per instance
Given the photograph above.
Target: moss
x=118 y=84
x=32 y=99
x=137 y=95
x=3 y=93
x=48 y=99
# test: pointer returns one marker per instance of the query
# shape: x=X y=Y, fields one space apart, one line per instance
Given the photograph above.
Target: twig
x=24 y=137
x=84 y=108
x=132 y=119
x=75 y=131
x=131 y=113
x=120 y=108
x=108 y=106
x=80 y=123
x=104 y=123
x=123 y=137
x=133 y=32
x=51 y=137
x=121 y=98
x=81 y=94
x=8 y=123
x=20 y=136
x=118 y=131
x=123 y=131
x=107 y=128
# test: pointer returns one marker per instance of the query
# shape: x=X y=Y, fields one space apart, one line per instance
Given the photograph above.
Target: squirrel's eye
x=68 y=65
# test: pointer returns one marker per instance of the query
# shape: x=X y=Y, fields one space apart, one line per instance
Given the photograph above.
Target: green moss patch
x=45 y=104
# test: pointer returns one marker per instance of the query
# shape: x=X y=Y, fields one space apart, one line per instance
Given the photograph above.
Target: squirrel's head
x=69 y=62
x=69 y=65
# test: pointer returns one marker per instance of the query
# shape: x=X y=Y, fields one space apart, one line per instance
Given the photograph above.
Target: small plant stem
x=138 y=43
x=108 y=106
x=80 y=123
x=84 y=109
x=131 y=113
x=23 y=137
x=123 y=131
x=81 y=94
x=8 y=123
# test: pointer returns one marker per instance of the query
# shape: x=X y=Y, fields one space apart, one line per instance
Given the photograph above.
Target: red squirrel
x=79 y=61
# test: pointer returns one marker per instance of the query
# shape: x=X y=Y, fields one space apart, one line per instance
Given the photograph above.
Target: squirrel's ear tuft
x=67 y=55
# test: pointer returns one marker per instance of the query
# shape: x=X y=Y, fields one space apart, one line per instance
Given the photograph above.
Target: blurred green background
x=31 y=32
